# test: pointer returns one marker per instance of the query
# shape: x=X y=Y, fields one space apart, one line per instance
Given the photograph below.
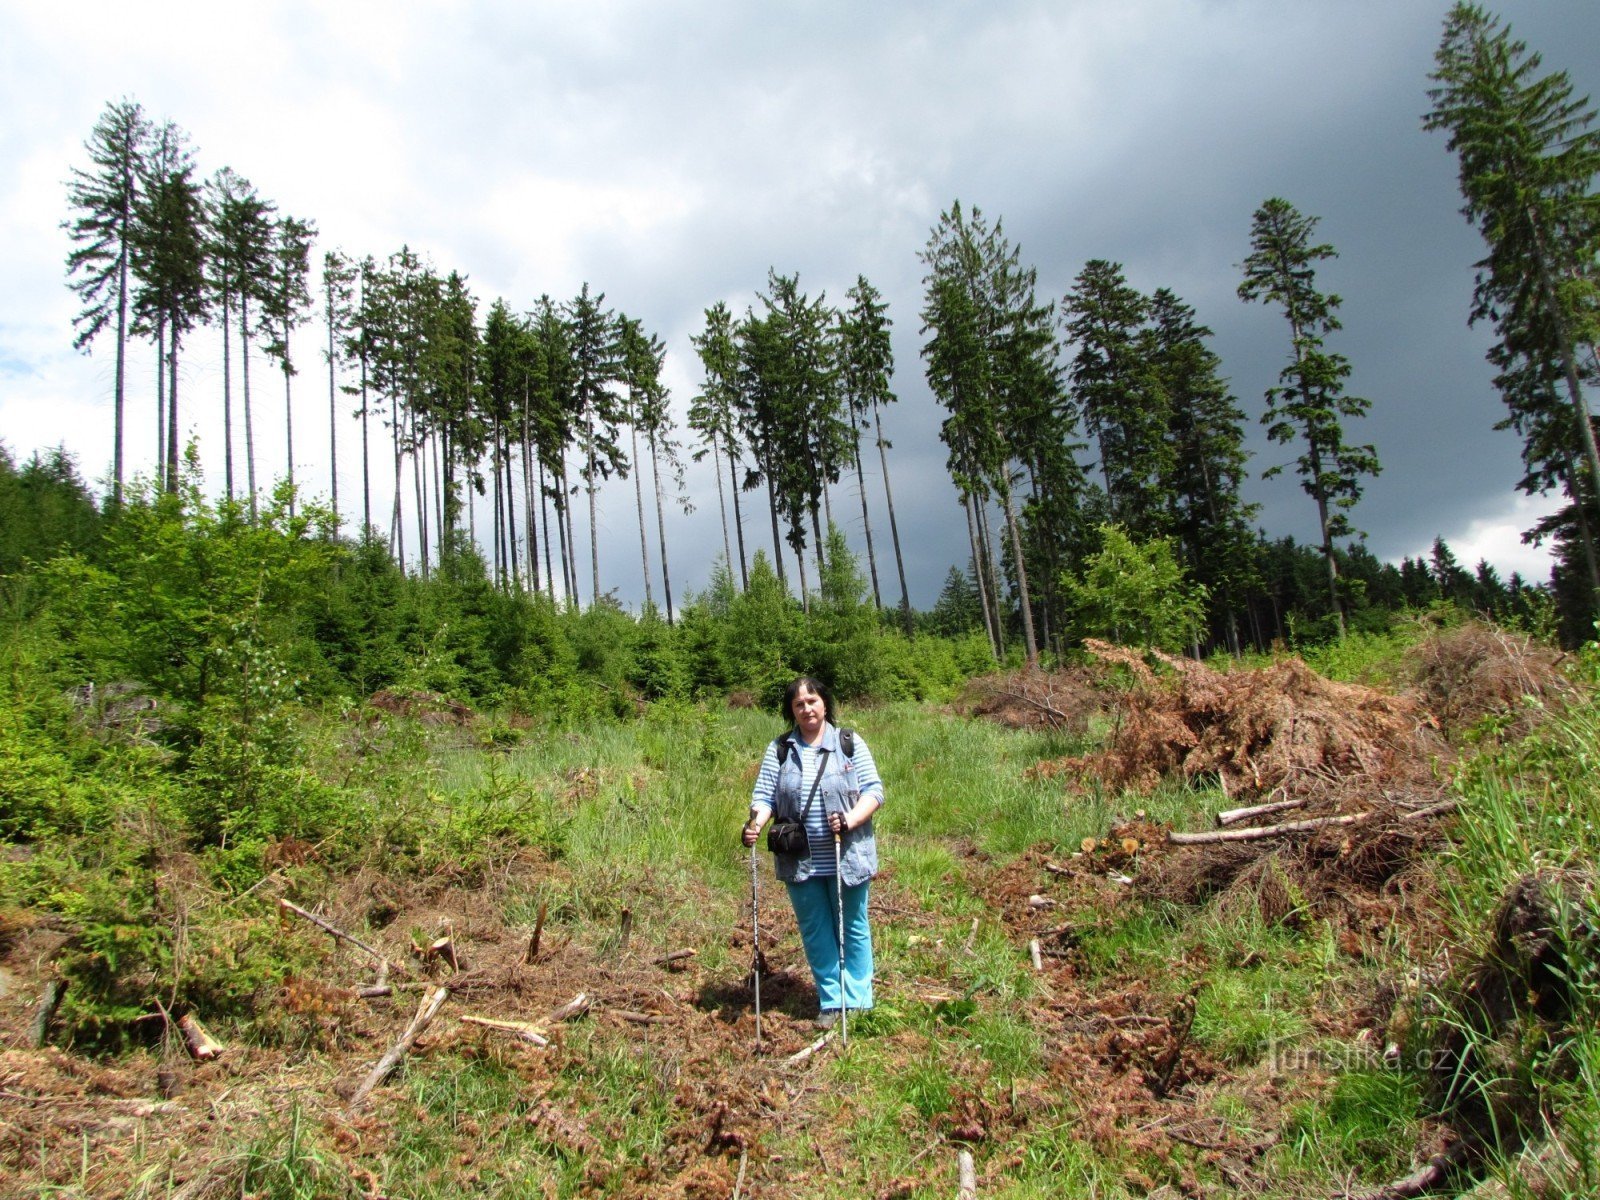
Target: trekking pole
x=838 y=887
x=755 y=941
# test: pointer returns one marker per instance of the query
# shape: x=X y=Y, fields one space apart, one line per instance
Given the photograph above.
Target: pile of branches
x=1465 y=674
x=1276 y=729
x=1333 y=776
x=1032 y=699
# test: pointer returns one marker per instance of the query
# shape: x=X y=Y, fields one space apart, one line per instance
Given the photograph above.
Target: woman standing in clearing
x=828 y=782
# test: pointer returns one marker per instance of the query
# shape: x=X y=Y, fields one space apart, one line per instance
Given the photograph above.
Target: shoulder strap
x=822 y=765
x=847 y=742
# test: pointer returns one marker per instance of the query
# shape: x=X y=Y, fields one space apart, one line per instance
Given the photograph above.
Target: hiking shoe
x=826 y=1020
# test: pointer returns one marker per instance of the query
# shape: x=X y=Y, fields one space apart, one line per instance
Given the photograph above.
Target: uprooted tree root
x=1500 y=1039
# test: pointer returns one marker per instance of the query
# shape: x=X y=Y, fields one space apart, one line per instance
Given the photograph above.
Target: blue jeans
x=815 y=909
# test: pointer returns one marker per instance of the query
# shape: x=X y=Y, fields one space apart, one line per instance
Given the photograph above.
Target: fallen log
x=639 y=1018
x=425 y=1014
x=1265 y=831
x=201 y=1045
x=676 y=956
x=520 y=1030
x=286 y=906
x=1229 y=816
x=575 y=1007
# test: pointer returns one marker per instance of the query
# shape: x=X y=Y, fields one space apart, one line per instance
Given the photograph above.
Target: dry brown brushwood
x=1464 y=674
x=1282 y=726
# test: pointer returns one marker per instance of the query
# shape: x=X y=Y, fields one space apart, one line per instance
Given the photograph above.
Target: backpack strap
x=847 y=742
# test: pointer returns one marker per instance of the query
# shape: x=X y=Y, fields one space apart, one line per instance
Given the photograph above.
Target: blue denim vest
x=837 y=791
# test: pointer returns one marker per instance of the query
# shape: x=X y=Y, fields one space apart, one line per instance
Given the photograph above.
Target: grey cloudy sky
x=670 y=153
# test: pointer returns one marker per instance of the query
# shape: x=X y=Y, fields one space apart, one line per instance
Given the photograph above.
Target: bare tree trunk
x=777 y=540
x=397 y=528
x=866 y=521
x=288 y=416
x=638 y=498
x=333 y=416
x=172 y=413
x=661 y=524
x=419 y=452
x=511 y=512
x=227 y=394
x=1030 y=643
x=738 y=523
x=366 y=458
x=894 y=528
x=249 y=424
x=978 y=574
x=722 y=504
x=594 y=519
x=161 y=406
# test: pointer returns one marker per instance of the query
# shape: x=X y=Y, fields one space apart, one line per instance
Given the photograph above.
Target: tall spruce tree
x=1528 y=164
x=990 y=354
x=714 y=415
x=1210 y=517
x=103 y=200
x=866 y=363
x=1310 y=403
x=1119 y=399
x=598 y=410
x=240 y=224
x=167 y=251
x=285 y=306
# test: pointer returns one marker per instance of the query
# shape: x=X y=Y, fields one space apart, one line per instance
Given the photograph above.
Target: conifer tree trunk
x=978 y=574
x=866 y=521
x=1030 y=643
x=333 y=417
x=894 y=528
x=161 y=406
x=249 y=421
x=661 y=525
x=638 y=498
x=227 y=389
x=738 y=525
x=722 y=505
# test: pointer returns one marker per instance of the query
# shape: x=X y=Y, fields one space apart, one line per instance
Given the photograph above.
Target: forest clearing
x=1073 y=1001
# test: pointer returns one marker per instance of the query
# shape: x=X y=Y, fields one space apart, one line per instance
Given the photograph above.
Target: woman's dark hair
x=814 y=685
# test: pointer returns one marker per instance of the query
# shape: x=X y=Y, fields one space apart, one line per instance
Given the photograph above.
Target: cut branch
x=573 y=1008
x=675 y=957
x=202 y=1046
x=425 y=1014
x=329 y=927
x=968 y=1189
x=1265 y=831
x=639 y=1018
x=1229 y=816
x=521 y=1030
x=809 y=1050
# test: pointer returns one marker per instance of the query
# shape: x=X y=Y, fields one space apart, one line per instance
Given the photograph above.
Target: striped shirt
x=817 y=832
